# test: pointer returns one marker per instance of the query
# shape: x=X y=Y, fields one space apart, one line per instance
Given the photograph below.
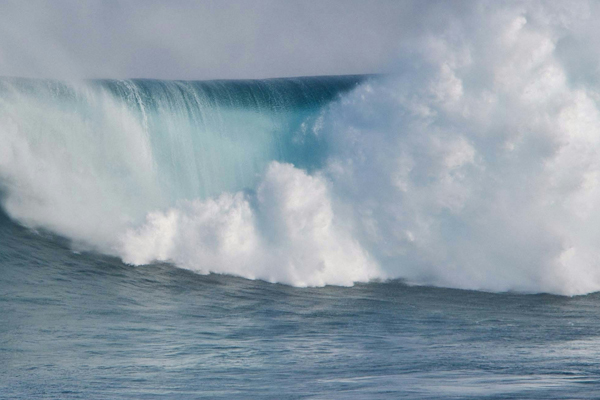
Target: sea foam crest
x=476 y=167
x=286 y=233
x=467 y=172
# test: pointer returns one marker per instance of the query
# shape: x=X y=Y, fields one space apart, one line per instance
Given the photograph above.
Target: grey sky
x=181 y=39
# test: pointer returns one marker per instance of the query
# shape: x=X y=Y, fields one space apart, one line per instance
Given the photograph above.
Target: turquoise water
x=205 y=137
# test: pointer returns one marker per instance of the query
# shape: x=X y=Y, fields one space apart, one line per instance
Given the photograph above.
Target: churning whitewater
x=476 y=167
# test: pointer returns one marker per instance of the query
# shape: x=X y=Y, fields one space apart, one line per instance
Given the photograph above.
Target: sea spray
x=476 y=166
x=287 y=233
x=89 y=160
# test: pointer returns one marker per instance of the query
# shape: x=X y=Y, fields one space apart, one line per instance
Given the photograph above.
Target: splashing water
x=477 y=166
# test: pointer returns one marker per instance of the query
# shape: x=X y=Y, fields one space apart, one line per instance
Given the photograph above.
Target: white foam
x=289 y=234
x=477 y=167
x=481 y=169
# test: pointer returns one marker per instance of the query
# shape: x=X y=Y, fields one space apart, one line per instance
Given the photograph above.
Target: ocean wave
x=477 y=166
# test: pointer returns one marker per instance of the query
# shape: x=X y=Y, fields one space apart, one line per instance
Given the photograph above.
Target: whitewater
x=436 y=176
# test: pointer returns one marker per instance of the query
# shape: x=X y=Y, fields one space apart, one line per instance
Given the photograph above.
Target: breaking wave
x=477 y=166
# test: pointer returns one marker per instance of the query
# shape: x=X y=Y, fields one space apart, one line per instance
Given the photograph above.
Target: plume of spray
x=480 y=167
x=477 y=166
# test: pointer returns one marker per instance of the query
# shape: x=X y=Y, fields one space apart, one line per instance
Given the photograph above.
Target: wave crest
x=477 y=166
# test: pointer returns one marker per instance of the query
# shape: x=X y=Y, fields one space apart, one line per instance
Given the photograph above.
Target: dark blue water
x=86 y=326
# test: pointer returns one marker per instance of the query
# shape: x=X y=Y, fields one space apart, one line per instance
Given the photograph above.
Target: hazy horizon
x=190 y=40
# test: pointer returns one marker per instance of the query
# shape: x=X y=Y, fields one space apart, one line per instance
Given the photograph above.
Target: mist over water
x=476 y=166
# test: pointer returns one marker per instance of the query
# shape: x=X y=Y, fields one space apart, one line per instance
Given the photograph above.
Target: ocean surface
x=86 y=326
x=351 y=237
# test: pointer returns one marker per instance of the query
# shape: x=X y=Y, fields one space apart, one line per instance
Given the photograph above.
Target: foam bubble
x=286 y=233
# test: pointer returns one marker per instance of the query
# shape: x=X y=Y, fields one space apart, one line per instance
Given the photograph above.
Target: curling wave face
x=86 y=159
x=476 y=167
x=149 y=170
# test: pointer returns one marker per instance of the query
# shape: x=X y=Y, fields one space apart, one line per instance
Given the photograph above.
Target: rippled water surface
x=83 y=326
